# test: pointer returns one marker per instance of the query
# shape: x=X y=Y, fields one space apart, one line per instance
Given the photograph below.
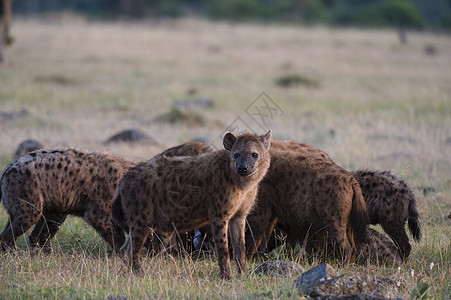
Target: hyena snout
x=244 y=168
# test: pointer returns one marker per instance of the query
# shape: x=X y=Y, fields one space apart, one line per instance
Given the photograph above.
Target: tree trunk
x=5 y=21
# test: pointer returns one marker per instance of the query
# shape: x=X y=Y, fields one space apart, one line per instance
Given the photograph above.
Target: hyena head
x=248 y=152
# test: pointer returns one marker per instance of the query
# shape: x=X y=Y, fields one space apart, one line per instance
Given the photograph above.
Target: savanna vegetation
x=374 y=13
x=365 y=98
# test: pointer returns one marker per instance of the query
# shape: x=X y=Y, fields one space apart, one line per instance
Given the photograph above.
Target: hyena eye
x=255 y=155
x=236 y=155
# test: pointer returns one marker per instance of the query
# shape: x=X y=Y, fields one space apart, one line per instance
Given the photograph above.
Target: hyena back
x=169 y=194
x=44 y=186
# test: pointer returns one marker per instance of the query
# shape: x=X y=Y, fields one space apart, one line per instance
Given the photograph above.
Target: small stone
x=278 y=268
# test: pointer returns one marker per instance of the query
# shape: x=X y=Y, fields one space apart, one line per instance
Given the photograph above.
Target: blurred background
x=434 y=14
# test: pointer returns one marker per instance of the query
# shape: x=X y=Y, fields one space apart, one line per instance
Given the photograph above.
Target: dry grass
x=378 y=105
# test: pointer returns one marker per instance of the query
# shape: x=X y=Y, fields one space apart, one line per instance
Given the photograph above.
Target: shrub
x=401 y=13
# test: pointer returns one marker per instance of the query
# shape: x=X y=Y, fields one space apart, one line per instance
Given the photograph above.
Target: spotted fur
x=177 y=194
x=44 y=186
x=392 y=204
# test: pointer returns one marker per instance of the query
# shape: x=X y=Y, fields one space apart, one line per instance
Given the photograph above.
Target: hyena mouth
x=245 y=172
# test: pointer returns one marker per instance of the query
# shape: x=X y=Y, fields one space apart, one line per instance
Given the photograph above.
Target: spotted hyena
x=312 y=196
x=177 y=194
x=304 y=188
x=388 y=198
x=44 y=186
x=378 y=249
x=389 y=201
x=392 y=204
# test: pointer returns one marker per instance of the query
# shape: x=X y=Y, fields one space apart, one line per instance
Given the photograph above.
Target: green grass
x=379 y=105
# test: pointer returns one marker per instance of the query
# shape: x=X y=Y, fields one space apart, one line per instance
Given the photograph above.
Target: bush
x=234 y=9
x=446 y=22
x=314 y=11
x=400 y=13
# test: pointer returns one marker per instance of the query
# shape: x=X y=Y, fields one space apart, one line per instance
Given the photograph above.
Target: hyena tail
x=117 y=211
x=413 y=221
x=359 y=214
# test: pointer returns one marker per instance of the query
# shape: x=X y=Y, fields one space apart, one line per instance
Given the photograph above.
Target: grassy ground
x=374 y=103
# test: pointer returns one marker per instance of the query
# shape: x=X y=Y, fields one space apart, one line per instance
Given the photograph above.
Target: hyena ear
x=266 y=139
x=228 y=141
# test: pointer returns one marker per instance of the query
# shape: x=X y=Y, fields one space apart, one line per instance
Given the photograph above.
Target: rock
x=315 y=274
x=430 y=49
x=355 y=284
x=355 y=297
x=115 y=297
x=130 y=136
x=199 y=102
x=322 y=282
x=27 y=146
x=428 y=190
x=12 y=115
x=278 y=268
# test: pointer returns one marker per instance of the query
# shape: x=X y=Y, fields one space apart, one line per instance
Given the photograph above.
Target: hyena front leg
x=136 y=240
x=219 y=231
x=236 y=229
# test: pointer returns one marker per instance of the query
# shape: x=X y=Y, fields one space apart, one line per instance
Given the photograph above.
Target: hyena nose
x=242 y=169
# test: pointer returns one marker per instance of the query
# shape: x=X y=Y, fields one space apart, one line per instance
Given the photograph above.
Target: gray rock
x=278 y=268
x=130 y=136
x=317 y=285
x=13 y=115
x=115 y=297
x=308 y=279
x=354 y=297
x=199 y=102
x=27 y=146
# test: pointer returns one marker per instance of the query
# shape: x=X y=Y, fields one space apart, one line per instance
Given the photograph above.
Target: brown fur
x=389 y=200
x=377 y=249
x=299 y=174
x=312 y=196
x=44 y=186
x=390 y=203
x=180 y=194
